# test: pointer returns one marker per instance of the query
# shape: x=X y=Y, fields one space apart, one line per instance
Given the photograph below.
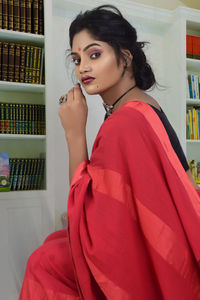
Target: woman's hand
x=73 y=113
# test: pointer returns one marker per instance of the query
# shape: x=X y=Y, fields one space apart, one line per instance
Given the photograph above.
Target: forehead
x=83 y=39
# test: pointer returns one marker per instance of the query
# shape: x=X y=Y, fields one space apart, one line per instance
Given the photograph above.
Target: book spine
x=10 y=15
x=26 y=119
x=2 y=118
x=28 y=16
x=14 y=118
x=30 y=72
x=0 y=59
x=5 y=61
x=30 y=119
x=193 y=87
x=16 y=172
x=5 y=13
x=1 y=14
x=27 y=63
x=12 y=169
x=11 y=61
x=41 y=17
x=17 y=118
x=196 y=45
x=22 y=16
x=21 y=168
x=7 y=121
x=11 y=118
x=38 y=65
x=16 y=15
x=34 y=65
x=20 y=118
x=22 y=62
x=33 y=120
x=35 y=17
x=23 y=119
x=24 y=174
x=189 y=48
x=17 y=62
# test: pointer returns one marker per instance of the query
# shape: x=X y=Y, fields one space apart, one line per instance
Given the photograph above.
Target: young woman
x=133 y=213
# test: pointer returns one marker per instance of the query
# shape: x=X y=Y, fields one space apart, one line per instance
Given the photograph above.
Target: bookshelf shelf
x=21 y=87
x=31 y=194
x=193 y=101
x=193 y=64
x=193 y=141
x=22 y=137
x=15 y=36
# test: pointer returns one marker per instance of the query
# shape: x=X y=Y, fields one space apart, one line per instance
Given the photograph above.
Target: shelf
x=15 y=36
x=193 y=141
x=22 y=137
x=193 y=65
x=35 y=194
x=24 y=87
x=193 y=101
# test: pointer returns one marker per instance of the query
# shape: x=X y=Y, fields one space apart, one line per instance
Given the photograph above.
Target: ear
x=127 y=56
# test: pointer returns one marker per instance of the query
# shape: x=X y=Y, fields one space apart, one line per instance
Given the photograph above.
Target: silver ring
x=62 y=99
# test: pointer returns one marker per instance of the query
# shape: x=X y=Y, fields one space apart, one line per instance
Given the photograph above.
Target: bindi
x=79 y=49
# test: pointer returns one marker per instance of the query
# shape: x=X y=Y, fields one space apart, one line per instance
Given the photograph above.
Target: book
x=4 y=172
x=11 y=61
x=22 y=16
x=189 y=49
x=16 y=15
x=1 y=14
x=41 y=17
x=17 y=62
x=22 y=63
x=196 y=47
x=28 y=15
x=10 y=15
x=5 y=14
x=35 y=16
x=5 y=61
x=0 y=59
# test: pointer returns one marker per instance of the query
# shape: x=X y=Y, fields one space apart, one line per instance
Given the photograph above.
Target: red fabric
x=133 y=218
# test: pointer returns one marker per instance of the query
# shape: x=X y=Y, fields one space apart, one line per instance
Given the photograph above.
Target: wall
x=170 y=4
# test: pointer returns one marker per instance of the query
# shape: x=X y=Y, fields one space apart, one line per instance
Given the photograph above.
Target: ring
x=62 y=99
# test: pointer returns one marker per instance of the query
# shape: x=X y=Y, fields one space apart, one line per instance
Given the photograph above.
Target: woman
x=133 y=208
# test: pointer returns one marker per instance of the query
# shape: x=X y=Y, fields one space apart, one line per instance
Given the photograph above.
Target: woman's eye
x=95 y=55
x=76 y=61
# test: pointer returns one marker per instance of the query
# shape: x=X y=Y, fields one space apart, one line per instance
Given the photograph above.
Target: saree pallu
x=133 y=220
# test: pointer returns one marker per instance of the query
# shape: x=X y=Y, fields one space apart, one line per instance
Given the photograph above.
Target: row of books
x=22 y=119
x=195 y=170
x=193 y=46
x=21 y=173
x=193 y=123
x=21 y=63
x=22 y=15
x=26 y=174
x=193 y=86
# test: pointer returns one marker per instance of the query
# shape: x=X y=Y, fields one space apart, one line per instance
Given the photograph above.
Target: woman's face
x=95 y=63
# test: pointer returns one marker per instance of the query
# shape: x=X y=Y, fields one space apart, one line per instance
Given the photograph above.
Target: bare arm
x=189 y=174
x=77 y=153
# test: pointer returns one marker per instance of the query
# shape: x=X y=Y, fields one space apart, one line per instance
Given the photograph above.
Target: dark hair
x=112 y=28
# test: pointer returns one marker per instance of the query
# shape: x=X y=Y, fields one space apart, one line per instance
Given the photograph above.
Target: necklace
x=109 y=108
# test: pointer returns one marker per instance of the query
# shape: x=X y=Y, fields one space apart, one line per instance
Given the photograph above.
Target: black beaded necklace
x=109 y=108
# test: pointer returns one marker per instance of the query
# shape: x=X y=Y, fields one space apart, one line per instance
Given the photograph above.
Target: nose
x=84 y=66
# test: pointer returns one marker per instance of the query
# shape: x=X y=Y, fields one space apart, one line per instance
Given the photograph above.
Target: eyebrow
x=87 y=47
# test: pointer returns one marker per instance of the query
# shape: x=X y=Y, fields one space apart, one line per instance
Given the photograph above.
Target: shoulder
x=133 y=116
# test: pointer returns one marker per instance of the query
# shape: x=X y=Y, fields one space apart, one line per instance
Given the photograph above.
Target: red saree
x=132 y=222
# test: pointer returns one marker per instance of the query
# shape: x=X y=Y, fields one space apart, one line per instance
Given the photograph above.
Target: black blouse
x=172 y=136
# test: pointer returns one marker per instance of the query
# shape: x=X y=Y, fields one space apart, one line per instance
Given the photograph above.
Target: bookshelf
x=27 y=216
x=193 y=67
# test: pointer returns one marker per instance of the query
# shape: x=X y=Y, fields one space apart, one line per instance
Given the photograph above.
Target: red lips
x=87 y=79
